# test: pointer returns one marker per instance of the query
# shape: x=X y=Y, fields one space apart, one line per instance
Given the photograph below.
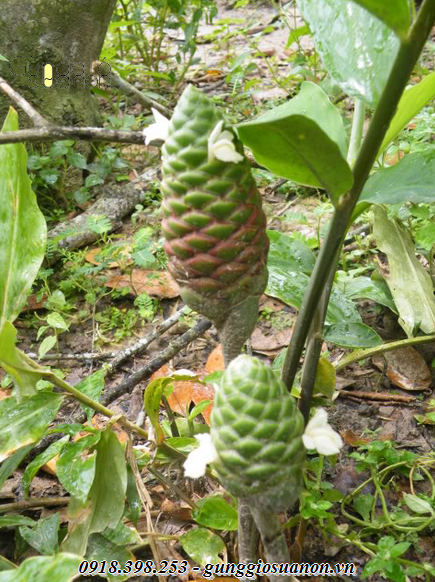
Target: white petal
x=321 y=436
x=197 y=461
x=158 y=130
x=215 y=133
x=225 y=151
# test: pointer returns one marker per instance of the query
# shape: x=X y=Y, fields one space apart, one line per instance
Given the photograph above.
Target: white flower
x=197 y=461
x=221 y=146
x=320 y=435
x=157 y=130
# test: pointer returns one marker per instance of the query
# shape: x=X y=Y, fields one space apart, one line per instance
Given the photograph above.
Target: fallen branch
x=130 y=91
x=23 y=104
x=382 y=396
x=115 y=203
x=34 y=502
x=146 y=371
x=140 y=346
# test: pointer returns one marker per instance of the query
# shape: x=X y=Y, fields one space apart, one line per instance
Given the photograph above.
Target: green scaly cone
x=214 y=225
x=257 y=430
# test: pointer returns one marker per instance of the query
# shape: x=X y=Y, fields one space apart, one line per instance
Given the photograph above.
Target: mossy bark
x=63 y=33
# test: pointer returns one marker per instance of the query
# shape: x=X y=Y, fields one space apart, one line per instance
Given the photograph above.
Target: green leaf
x=363 y=505
x=366 y=288
x=412 y=101
x=357 y=49
x=417 y=505
x=216 y=513
x=2 y=58
x=77 y=160
x=75 y=469
x=202 y=545
x=23 y=231
x=56 y=321
x=410 y=180
x=290 y=287
x=92 y=386
x=153 y=394
x=302 y=140
x=59 y=568
x=373 y=566
x=43 y=537
x=198 y=408
x=289 y=253
x=352 y=335
x=105 y=504
x=100 y=548
x=409 y=283
x=43 y=458
x=325 y=380
x=395 y=13
x=25 y=422
x=9 y=466
x=14 y=520
x=24 y=371
x=399 y=549
x=46 y=345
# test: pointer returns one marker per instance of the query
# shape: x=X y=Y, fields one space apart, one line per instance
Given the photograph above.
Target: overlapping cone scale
x=213 y=222
x=257 y=430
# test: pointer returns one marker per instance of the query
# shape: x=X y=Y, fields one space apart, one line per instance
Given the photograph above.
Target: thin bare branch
x=28 y=109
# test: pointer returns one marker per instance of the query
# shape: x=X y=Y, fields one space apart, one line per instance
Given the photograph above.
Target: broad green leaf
x=410 y=180
x=410 y=284
x=75 y=469
x=395 y=13
x=24 y=371
x=56 y=321
x=43 y=537
x=363 y=505
x=9 y=466
x=417 y=505
x=302 y=140
x=25 y=422
x=412 y=101
x=105 y=504
x=92 y=386
x=46 y=345
x=202 y=545
x=290 y=287
x=357 y=49
x=100 y=548
x=23 y=230
x=216 y=513
x=325 y=380
x=134 y=503
x=14 y=520
x=122 y=535
x=366 y=288
x=33 y=467
x=289 y=253
x=352 y=335
x=153 y=394
x=59 y=568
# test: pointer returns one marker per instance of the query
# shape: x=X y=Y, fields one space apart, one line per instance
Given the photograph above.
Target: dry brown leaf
x=268 y=344
x=350 y=438
x=124 y=254
x=186 y=392
x=406 y=368
x=5 y=393
x=159 y=283
x=162 y=372
x=215 y=361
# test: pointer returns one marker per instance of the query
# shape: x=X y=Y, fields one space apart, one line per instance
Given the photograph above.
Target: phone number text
x=139 y=567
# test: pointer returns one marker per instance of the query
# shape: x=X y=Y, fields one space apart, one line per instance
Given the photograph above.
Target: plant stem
x=273 y=538
x=363 y=354
x=401 y=71
x=314 y=347
x=357 y=131
x=248 y=536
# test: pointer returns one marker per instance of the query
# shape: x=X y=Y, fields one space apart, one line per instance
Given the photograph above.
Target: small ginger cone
x=214 y=225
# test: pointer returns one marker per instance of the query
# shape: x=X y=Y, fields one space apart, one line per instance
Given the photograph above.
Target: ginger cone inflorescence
x=214 y=225
x=256 y=429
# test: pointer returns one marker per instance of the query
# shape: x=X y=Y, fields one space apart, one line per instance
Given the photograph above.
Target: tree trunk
x=69 y=35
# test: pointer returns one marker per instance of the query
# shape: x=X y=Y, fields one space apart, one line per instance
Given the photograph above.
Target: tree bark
x=69 y=35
